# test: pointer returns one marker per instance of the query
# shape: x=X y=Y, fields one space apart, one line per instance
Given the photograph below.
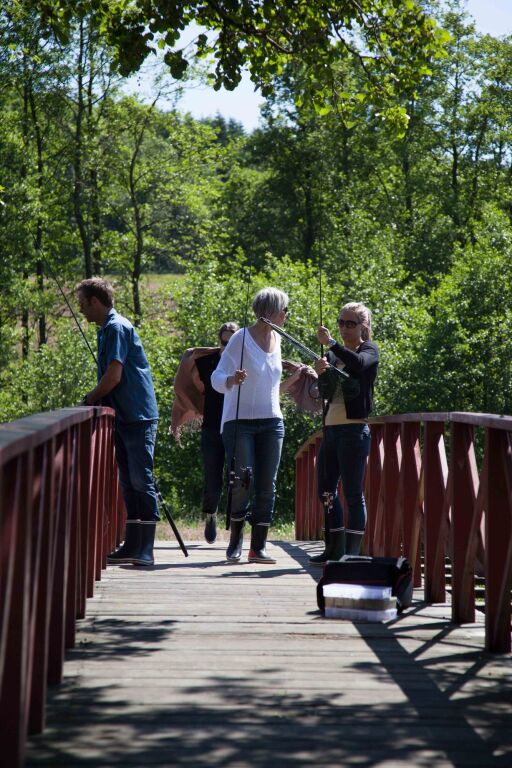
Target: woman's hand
x=299 y=370
x=323 y=335
x=237 y=378
x=321 y=365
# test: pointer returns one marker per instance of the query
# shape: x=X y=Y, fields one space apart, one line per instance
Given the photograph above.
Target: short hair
x=363 y=315
x=268 y=302
x=231 y=327
x=99 y=288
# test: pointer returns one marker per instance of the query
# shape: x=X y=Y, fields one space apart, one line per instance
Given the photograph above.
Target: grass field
x=194 y=531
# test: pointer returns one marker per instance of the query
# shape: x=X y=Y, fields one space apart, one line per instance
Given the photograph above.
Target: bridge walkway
x=200 y=663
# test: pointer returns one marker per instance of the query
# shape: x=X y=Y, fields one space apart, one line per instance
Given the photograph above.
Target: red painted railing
x=419 y=500
x=60 y=514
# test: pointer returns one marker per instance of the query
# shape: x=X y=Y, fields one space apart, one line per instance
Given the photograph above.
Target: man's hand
x=106 y=384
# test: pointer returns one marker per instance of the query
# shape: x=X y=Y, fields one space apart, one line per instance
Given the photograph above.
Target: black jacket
x=361 y=364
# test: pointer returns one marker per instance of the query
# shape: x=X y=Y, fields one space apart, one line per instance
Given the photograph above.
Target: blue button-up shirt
x=133 y=399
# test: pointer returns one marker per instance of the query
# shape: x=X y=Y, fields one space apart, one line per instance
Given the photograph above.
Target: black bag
x=394 y=572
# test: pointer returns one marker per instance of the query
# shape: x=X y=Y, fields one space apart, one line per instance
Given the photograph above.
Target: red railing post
x=386 y=539
x=464 y=475
x=299 y=497
x=391 y=471
x=84 y=461
x=14 y=694
x=60 y=564
x=435 y=478
x=409 y=492
x=310 y=475
x=42 y=500
x=317 y=508
x=74 y=530
x=498 y=540
x=373 y=479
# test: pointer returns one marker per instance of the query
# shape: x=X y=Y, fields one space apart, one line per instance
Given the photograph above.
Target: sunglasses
x=347 y=323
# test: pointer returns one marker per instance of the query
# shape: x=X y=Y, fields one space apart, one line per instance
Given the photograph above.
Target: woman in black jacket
x=346 y=443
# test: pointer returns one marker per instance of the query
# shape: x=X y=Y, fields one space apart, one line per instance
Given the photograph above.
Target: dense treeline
x=418 y=225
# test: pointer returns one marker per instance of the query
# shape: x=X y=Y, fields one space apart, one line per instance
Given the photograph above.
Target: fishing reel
x=327 y=500
x=244 y=478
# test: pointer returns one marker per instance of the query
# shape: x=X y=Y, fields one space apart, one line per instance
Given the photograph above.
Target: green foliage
x=393 y=44
x=453 y=349
x=469 y=341
x=57 y=376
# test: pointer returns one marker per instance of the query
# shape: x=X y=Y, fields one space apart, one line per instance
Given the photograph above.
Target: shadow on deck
x=199 y=662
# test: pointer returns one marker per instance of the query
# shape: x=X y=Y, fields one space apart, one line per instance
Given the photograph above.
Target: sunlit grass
x=156 y=281
x=193 y=530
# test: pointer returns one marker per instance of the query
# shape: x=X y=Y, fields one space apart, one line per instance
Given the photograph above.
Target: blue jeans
x=212 y=449
x=258 y=445
x=135 y=447
x=343 y=455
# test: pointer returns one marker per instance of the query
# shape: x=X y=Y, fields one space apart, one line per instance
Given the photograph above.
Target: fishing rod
x=75 y=318
x=302 y=347
x=327 y=496
x=160 y=498
x=168 y=515
x=246 y=475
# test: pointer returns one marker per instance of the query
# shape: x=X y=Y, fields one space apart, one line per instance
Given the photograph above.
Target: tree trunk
x=78 y=186
x=38 y=240
x=95 y=233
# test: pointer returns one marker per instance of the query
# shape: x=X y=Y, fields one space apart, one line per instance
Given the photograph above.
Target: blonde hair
x=363 y=315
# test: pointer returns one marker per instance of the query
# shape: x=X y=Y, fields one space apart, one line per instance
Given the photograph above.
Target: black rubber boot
x=257 y=552
x=130 y=547
x=321 y=559
x=147 y=540
x=336 y=545
x=236 y=540
x=334 y=548
x=210 y=527
x=354 y=542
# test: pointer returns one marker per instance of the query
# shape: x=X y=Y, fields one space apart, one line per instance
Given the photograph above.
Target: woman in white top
x=259 y=429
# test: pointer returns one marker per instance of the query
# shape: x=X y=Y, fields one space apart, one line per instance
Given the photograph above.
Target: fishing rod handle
x=302 y=347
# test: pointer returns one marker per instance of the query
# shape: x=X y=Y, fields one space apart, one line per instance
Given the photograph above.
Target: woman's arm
x=356 y=362
x=227 y=373
x=298 y=370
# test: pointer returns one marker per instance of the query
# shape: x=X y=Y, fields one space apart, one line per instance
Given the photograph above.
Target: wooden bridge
x=197 y=662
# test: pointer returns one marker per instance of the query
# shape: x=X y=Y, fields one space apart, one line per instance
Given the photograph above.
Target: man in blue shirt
x=125 y=384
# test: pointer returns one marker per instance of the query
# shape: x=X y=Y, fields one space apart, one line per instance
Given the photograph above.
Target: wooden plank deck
x=196 y=663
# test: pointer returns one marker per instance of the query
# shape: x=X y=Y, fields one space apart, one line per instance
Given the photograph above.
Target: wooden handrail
x=60 y=511
x=418 y=500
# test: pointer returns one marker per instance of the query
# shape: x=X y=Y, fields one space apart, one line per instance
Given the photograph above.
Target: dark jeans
x=135 y=447
x=343 y=454
x=212 y=449
x=258 y=445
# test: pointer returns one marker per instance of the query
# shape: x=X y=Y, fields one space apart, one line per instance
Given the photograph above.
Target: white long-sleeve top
x=259 y=394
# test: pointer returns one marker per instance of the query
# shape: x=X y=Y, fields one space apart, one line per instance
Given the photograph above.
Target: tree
x=392 y=41
x=162 y=183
